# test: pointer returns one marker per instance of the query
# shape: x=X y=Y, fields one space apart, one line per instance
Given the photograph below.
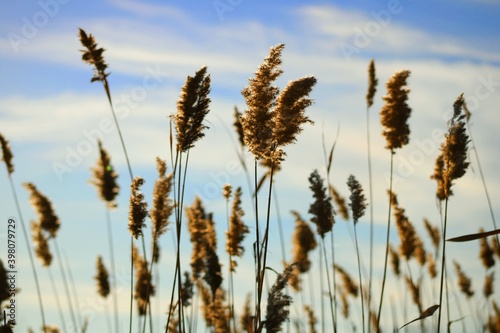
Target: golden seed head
x=162 y=204
x=192 y=107
x=47 y=218
x=226 y=191
x=102 y=279
x=6 y=154
x=321 y=208
x=138 y=208
x=237 y=229
x=303 y=241
x=41 y=244
x=372 y=84
x=92 y=55
x=357 y=199
x=464 y=282
x=104 y=178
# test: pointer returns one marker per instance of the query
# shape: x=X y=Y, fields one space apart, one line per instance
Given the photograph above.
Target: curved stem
x=113 y=270
x=386 y=243
x=370 y=206
x=443 y=260
x=360 y=280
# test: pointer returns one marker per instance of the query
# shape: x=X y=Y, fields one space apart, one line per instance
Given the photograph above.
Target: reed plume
x=394 y=261
x=321 y=209
x=340 y=202
x=197 y=226
x=104 y=178
x=372 y=84
x=42 y=250
x=238 y=127
x=414 y=288
x=47 y=218
x=431 y=266
x=464 y=282
x=488 y=285
x=277 y=302
x=102 y=278
x=433 y=233
x=395 y=112
x=303 y=241
x=350 y=286
x=144 y=287
x=192 y=107
x=138 y=208
x=237 y=229
x=454 y=165
x=227 y=190
x=162 y=204
x=393 y=117
x=311 y=319
x=4 y=285
x=92 y=55
x=485 y=252
x=6 y=154
x=246 y=317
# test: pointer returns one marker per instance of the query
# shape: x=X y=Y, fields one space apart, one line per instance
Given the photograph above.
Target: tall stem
x=329 y=285
x=257 y=250
x=113 y=270
x=443 y=260
x=370 y=206
x=360 y=281
x=386 y=243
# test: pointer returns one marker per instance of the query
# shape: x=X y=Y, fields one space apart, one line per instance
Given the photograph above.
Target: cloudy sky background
x=52 y=115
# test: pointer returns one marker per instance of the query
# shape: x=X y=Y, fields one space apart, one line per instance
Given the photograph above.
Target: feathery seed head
x=303 y=241
x=277 y=303
x=226 y=191
x=488 y=285
x=102 y=279
x=192 y=108
x=41 y=244
x=47 y=218
x=464 y=282
x=104 y=178
x=237 y=229
x=6 y=154
x=485 y=252
x=92 y=55
x=321 y=208
x=396 y=112
x=138 y=208
x=372 y=84
x=162 y=204
x=357 y=198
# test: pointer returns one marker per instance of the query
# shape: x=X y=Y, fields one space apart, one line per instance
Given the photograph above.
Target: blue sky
x=52 y=114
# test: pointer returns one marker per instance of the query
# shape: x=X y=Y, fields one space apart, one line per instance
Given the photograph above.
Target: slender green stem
x=257 y=249
x=28 y=248
x=443 y=260
x=370 y=206
x=334 y=274
x=386 y=244
x=330 y=294
x=360 y=280
x=73 y=290
x=321 y=298
x=149 y=274
x=131 y=281
x=113 y=269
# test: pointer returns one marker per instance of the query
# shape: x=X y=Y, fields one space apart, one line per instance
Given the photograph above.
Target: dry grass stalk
x=340 y=202
x=138 y=208
x=454 y=148
x=214 y=309
x=372 y=84
x=41 y=244
x=277 y=303
x=414 y=289
x=464 y=282
x=102 y=278
x=47 y=219
x=488 y=285
x=344 y=302
x=6 y=154
x=192 y=108
x=162 y=204
x=485 y=252
x=92 y=55
x=321 y=208
x=395 y=112
x=104 y=178
x=196 y=218
x=311 y=319
x=438 y=176
x=350 y=286
x=238 y=127
x=237 y=229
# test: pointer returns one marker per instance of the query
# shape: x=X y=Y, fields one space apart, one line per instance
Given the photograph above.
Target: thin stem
x=113 y=270
x=28 y=248
x=360 y=280
x=149 y=274
x=329 y=285
x=73 y=290
x=334 y=282
x=321 y=298
x=65 y=282
x=386 y=243
x=370 y=206
x=257 y=249
x=131 y=281
x=443 y=260
x=483 y=181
